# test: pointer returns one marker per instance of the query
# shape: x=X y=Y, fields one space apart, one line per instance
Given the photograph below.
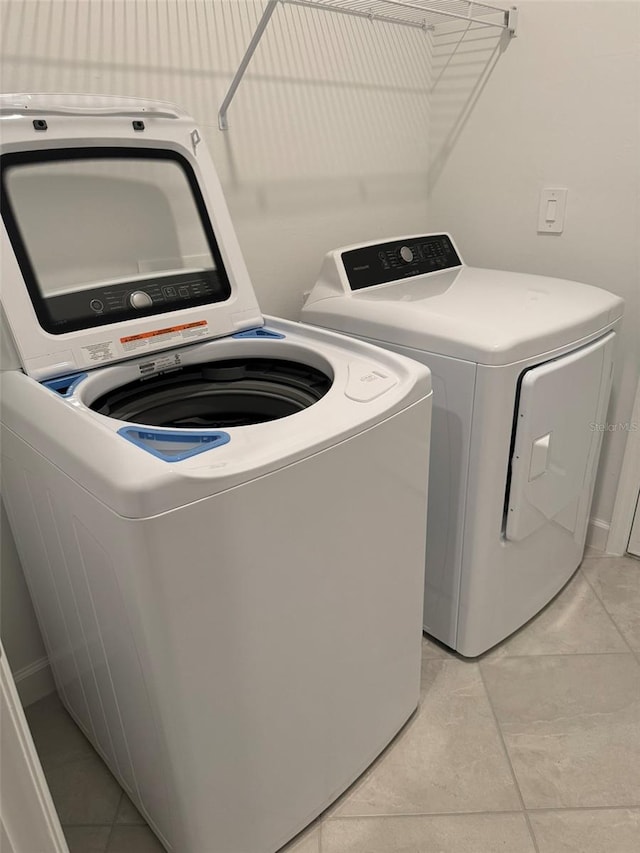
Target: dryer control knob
x=406 y=254
x=140 y=299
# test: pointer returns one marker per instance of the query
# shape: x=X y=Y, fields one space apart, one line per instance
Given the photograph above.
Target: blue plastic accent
x=201 y=441
x=258 y=333
x=68 y=382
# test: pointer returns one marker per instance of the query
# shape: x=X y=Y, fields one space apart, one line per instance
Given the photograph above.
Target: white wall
x=559 y=107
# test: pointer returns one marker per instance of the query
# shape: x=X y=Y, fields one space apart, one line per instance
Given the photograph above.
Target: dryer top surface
x=486 y=316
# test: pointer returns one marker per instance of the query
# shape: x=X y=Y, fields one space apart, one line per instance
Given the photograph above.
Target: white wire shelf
x=424 y=14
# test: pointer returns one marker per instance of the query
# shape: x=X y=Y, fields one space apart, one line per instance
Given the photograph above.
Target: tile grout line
x=627 y=808
x=508 y=757
x=611 y=619
x=409 y=815
x=495 y=812
x=496 y=658
x=601 y=555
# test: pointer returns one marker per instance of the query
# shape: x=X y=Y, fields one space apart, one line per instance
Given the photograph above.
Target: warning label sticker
x=102 y=351
x=171 y=336
x=160 y=363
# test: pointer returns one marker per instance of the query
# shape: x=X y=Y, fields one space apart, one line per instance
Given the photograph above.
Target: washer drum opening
x=217 y=394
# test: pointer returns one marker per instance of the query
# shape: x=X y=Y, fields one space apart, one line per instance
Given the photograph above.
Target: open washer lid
x=117 y=240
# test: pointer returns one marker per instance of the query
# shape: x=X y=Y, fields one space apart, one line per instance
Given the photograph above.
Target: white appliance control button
x=140 y=299
x=367 y=381
x=406 y=254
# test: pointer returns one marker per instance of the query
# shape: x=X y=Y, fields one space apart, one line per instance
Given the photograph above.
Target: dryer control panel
x=397 y=259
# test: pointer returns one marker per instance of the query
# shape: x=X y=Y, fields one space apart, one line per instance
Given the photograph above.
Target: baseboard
x=35 y=681
x=597 y=534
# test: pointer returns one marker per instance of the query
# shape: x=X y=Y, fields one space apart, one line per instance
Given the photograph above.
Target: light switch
x=551 y=213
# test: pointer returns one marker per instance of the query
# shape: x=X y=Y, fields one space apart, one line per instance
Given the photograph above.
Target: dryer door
x=557 y=442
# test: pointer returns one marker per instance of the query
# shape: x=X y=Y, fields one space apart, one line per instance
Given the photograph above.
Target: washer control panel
x=125 y=300
x=397 y=259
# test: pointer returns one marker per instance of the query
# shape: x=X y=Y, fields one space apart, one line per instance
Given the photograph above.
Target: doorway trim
x=628 y=487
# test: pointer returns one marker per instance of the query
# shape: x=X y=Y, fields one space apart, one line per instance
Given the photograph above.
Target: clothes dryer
x=521 y=369
x=221 y=516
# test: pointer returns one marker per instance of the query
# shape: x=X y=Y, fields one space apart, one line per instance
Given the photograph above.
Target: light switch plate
x=551 y=213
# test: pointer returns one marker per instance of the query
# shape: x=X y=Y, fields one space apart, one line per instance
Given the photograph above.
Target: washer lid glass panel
x=109 y=234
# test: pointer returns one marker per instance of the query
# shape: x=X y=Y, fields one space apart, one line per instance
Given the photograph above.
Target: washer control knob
x=406 y=254
x=140 y=299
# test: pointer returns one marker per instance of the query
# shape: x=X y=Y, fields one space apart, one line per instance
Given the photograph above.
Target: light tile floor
x=533 y=747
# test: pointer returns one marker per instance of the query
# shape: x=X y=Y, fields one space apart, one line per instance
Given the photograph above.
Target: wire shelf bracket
x=423 y=14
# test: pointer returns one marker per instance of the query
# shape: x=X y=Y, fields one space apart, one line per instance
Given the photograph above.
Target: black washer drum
x=217 y=394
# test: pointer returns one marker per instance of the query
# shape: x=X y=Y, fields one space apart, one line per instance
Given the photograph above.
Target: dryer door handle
x=539 y=456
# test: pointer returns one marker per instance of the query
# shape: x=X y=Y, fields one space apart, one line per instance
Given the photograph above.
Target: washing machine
x=221 y=516
x=521 y=369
